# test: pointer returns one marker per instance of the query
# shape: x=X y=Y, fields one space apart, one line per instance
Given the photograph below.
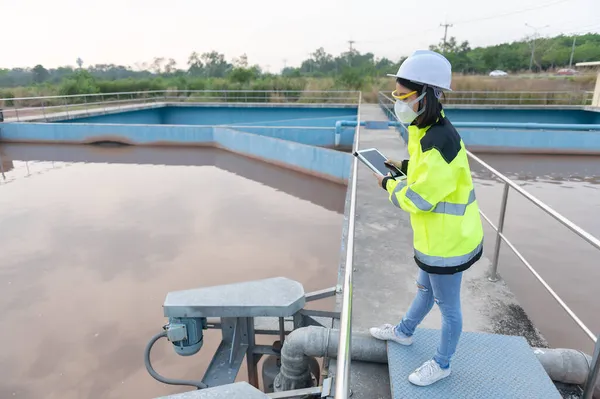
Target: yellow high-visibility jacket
x=439 y=195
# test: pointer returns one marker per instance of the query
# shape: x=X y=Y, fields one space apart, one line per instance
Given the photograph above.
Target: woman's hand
x=397 y=164
x=380 y=178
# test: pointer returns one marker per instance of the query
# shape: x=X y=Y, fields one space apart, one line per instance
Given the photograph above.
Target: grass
x=370 y=86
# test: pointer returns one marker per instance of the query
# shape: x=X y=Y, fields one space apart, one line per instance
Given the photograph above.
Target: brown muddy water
x=92 y=239
x=570 y=185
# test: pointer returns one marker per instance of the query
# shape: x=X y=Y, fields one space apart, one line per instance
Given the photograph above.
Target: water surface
x=92 y=239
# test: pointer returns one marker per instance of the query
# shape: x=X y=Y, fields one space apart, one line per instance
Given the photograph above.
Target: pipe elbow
x=306 y=341
x=568 y=366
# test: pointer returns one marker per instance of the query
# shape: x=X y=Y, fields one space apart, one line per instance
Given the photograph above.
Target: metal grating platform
x=485 y=366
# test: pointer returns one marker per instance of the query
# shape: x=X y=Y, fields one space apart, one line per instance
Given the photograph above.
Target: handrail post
x=592 y=378
x=67 y=106
x=494 y=275
x=44 y=111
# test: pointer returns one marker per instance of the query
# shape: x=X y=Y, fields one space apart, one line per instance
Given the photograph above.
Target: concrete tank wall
x=88 y=133
x=318 y=161
x=514 y=115
x=326 y=163
x=531 y=141
x=324 y=137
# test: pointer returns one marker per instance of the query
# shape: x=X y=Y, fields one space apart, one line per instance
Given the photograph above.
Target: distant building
x=594 y=65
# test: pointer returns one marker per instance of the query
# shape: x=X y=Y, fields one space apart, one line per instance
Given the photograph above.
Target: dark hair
x=433 y=109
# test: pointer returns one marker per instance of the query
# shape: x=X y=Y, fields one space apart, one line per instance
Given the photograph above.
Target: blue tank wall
x=142 y=117
x=255 y=115
x=566 y=116
x=248 y=116
x=542 y=141
x=324 y=137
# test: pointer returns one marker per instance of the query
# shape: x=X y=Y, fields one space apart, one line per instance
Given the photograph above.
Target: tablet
x=375 y=160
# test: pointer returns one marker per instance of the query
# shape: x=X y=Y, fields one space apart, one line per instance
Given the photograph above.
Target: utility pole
x=351 y=42
x=572 y=52
x=535 y=35
x=445 y=26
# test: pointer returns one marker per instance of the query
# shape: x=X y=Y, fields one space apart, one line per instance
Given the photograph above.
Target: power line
x=578 y=29
x=512 y=12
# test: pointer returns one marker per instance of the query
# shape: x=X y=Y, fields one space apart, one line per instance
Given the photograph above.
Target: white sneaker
x=387 y=332
x=428 y=373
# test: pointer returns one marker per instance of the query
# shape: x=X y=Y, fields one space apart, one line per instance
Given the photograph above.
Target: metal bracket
x=234 y=342
x=297 y=393
x=321 y=294
x=327 y=387
x=320 y=313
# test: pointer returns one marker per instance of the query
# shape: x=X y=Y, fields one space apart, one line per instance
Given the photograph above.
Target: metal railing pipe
x=342 y=380
x=557 y=216
x=590 y=383
x=494 y=274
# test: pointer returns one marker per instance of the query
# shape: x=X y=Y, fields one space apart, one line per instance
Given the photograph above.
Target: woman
x=437 y=191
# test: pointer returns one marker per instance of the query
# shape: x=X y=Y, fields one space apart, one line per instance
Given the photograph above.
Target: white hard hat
x=428 y=68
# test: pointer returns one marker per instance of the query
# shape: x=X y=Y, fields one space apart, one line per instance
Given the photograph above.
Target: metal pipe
x=494 y=274
x=314 y=341
x=569 y=366
x=591 y=385
x=342 y=381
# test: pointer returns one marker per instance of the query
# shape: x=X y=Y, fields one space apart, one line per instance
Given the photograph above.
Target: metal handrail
x=176 y=91
x=36 y=107
x=508 y=184
x=501 y=237
x=342 y=377
x=518 y=98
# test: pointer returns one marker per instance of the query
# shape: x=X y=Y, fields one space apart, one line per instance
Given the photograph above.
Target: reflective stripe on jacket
x=439 y=195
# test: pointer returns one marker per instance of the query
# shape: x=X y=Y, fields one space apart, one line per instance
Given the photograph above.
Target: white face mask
x=404 y=111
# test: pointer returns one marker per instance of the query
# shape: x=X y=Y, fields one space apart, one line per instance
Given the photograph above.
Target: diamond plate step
x=485 y=366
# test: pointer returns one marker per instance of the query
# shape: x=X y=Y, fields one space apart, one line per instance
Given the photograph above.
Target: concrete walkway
x=385 y=271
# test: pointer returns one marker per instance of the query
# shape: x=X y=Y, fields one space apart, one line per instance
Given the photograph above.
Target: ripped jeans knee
x=421 y=287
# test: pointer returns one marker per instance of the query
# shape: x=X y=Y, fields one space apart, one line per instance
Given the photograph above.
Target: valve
x=185 y=333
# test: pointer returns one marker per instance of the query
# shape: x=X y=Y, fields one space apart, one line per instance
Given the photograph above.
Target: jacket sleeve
x=404 y=166
x=434 y=181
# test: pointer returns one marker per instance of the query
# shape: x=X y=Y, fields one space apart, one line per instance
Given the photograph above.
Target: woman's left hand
x=379 y=178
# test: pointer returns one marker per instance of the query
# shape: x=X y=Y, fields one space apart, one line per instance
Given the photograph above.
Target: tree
x=40 y=74
x=157 y=64
x=215 y=65
x=79 y=62
x=195 y=65
x=171 y=66
x=241 y=62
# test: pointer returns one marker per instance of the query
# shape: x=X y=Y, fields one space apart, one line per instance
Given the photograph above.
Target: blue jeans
x=443 y=289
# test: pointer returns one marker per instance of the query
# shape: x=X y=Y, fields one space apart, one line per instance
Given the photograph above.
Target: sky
x=272 y=33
